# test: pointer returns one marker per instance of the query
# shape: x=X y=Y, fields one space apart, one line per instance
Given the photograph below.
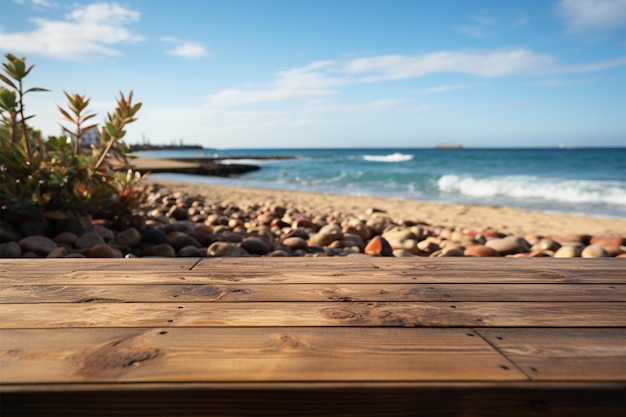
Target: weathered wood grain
x=310 y=336
x=564 y=354
x=422 y=314
x=249 y=355
x=178 y=293
x=316 y=270
x=63 y=266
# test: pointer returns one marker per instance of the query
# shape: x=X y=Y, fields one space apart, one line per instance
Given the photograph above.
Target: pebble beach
x=191 y=220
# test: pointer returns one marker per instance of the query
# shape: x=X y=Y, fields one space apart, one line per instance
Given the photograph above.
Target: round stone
x=88 y=240
x=155 y=236
x=378 y=246
x=102 y=250
x=129 y=237
x=10 y=250
x=568 y=252
x=594 y=251
x=180 y=239
x=509 y=245
x=295 y=243
x=255 y=246
x=189 y=251
x=607 y=240
x=163 y=250
x=223 y=249
x=480 y=250
x=39 y=245
x=67 y=238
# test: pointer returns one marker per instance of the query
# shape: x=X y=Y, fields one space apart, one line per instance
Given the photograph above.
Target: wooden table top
x=313 y=336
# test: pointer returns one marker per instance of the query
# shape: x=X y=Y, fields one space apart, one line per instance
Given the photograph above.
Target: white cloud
x=186 y=49
x=481 y=28
x=305 y=82
x=444 y=88
x=584 y=15
x=324 y=78
x=85 y=33
x=478 y=63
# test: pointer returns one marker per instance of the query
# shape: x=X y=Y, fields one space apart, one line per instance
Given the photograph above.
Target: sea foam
x=394 y=157
x=528 y=187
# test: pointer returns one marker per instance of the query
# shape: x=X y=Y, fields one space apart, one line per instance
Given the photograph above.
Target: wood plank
x=314 y=400
x=425 y=314
x=178 y=293
x=316 y=270
x=248 y=355
x=564 y=354
x=60 y=266
x=331 y=273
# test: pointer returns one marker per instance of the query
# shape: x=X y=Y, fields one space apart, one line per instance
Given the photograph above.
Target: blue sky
x=334 y=73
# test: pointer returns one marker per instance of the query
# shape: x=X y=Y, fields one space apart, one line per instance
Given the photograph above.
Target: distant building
x=90 y=138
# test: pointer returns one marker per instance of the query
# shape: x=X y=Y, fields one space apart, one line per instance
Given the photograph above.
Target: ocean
x=588 y=181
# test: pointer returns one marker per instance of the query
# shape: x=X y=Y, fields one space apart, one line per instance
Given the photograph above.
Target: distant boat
x=457 y=145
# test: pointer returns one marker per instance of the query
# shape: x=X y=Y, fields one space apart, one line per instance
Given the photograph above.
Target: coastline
x=508 y=220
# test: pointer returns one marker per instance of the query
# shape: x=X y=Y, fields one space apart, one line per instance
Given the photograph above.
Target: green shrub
x=58 y=177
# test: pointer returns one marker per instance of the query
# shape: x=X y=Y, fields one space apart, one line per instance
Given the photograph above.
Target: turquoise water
x=579 y=181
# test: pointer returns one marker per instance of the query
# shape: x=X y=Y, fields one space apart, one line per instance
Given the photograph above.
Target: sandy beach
x=509 y=220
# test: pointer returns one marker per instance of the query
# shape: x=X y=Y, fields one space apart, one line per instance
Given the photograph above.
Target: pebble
x=102 y=250
x=255 y=246
x=508 y=245
x=190 y=252
x=607 y=241
x=187 y=226
x=67 y=238
x=480 y=250
x=295 y=243
x=378 y=246
x=129 y=237
x=223 y=249
x=568 y=252
x=39 y=245
x=181 y=239
x=10 y=250
x=89 y=240
x=594 y=251
x=163 y=250
x=155 y=236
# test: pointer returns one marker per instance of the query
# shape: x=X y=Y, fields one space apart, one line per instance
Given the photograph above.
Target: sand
x=505 y=219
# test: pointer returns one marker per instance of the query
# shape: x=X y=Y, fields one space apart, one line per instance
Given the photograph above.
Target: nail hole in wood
x=499 y=337
x=181 y=307
x=452 y=306
x=170 y=321
x=506 y=368
x=470 y=334
x=163 y=332
x=532 y=368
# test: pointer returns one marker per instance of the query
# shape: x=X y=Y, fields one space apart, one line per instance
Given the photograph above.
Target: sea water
x=589 y=181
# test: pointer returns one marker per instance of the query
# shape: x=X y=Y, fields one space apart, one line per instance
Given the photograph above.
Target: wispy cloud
x=305 y=82
x=185 y=49
x=487 y=64
x=583 y=15
x=88 y=32
x=325 y=78
x=560 y=82
x=481 y=27
x=444 y=88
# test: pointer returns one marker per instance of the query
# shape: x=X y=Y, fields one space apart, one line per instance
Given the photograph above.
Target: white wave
x=394 y=157
x=527 y=187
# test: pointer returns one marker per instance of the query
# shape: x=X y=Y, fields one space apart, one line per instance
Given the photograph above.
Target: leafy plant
x=59 y=177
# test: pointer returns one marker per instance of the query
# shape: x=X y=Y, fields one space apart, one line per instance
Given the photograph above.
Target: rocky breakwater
x=183 y=225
